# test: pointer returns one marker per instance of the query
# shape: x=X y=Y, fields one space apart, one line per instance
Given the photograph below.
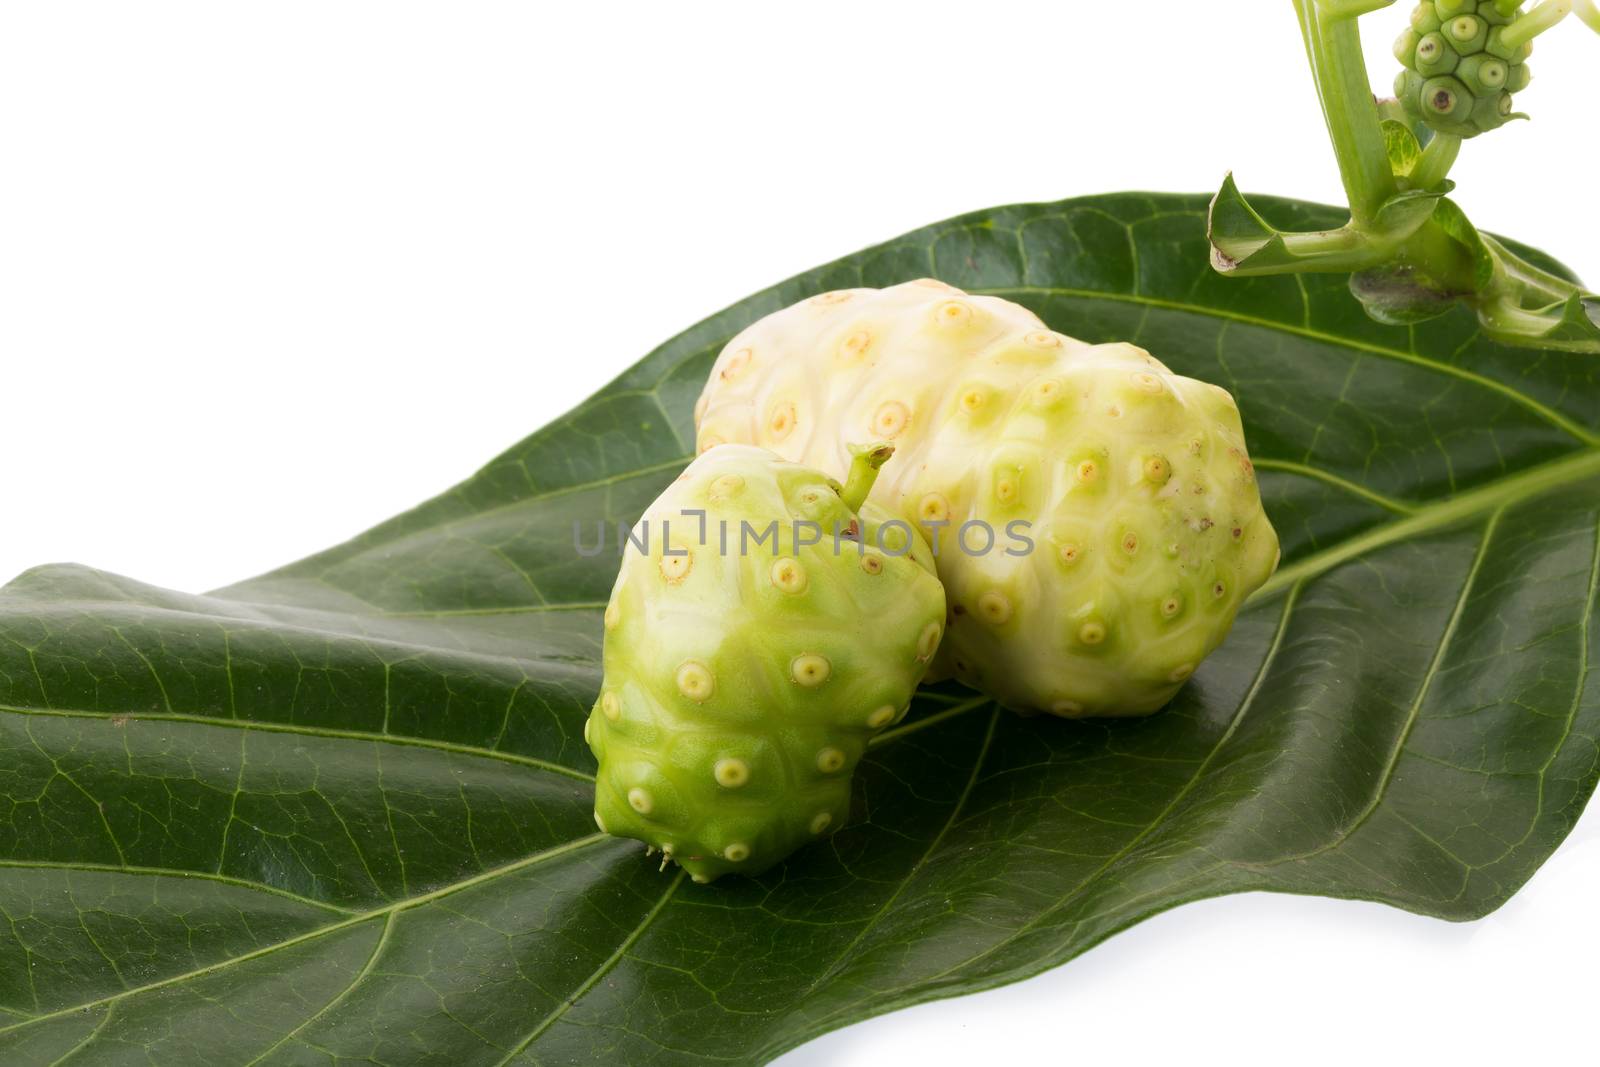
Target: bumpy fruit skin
x=742 y=682
x=1459 y=74
x=1133 y=483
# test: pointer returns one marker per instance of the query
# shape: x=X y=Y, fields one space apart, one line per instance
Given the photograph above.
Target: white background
x=270 y=273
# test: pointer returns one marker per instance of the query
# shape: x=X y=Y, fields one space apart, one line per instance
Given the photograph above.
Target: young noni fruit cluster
x=1463 y=60
x=1097 y=516
x=756 y=639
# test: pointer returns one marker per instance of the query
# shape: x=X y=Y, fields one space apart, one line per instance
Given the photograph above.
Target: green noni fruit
x=1095 y=517
x=757 y=637
x=1462 y=63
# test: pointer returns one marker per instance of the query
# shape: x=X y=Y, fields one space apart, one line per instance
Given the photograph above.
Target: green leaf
x=341 y=812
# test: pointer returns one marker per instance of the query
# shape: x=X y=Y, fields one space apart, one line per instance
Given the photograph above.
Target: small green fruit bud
x=1435 y=57
x=1446 y=98
x=1468 y=34
x=1483 y=74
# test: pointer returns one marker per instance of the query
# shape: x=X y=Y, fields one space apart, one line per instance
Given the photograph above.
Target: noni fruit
x=1463 y=59
x=763 y=628
x=1095 y=517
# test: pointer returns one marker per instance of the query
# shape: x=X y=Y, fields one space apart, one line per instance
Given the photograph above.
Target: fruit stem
x=863 y=472
x=1535 y=22
x=1433 y=166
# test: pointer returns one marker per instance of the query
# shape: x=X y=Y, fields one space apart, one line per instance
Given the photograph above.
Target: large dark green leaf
x=340 y=813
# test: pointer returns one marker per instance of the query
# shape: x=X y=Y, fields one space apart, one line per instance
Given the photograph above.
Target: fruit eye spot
x=782 y=421
x=1238 y=532
x=613 y=615
x=736 y=852
x=952 y=314
x=731 y=773
x=598 y=821
x=736 y=364
x=855 y=346
x=880 y=718
x=695 y=681
x=928 y=641
x=1042 y=339
x=789 y=576
x=1088 y=471
x=610 y=707
x=1219 y=590
x=838 y=296
x=1130 y=544
x=1047 y=391
x=1443 y=101
x=820 y=822
x=830 y=760
x=1146 y=382
x=1428 y=50
x=971 y=401
x=1464 y=28
x=810 y=670
x=1157 y=470
x=641 y=801
x=675 y=568
x=708 y=442
x=725 y=487
x=1181 y=672
x=1092 y=633
x=890 y=419
x=994 y=607
x=1171 y=606
x=1005 y=490
x=934 y=508
x=872 y=564
x=1067 y=707
x=1070 y=554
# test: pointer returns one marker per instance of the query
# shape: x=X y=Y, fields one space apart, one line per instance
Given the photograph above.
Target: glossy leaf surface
x=341 y=813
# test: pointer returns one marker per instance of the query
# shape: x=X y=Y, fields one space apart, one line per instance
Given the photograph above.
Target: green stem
x=1433 y=166
x=1333 y=46
x=863 y=472
x=1535 y=22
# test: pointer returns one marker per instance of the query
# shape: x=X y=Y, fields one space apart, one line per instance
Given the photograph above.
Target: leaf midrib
x=1486 y=499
